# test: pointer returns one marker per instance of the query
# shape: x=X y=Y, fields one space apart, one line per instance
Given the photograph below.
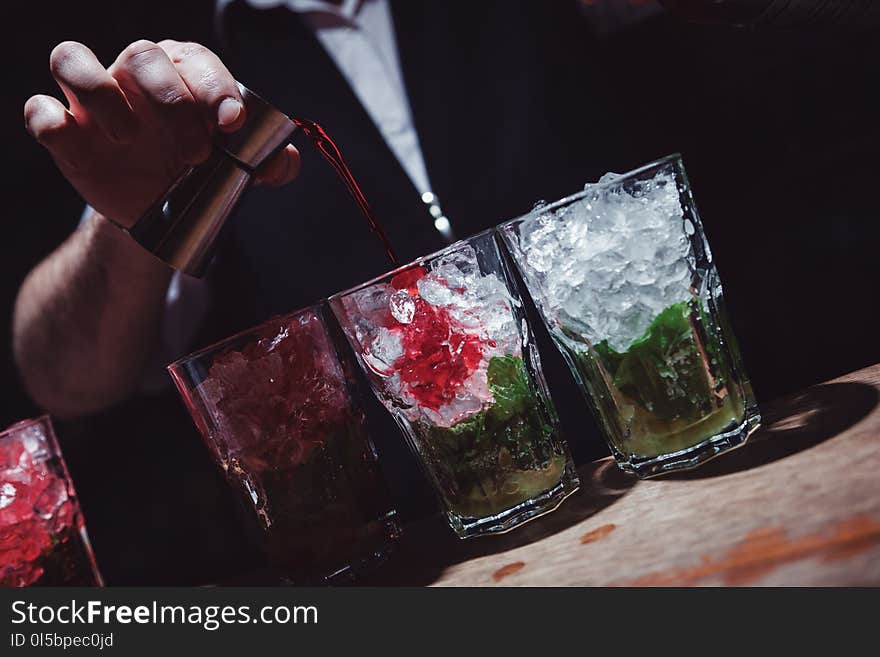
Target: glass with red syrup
x=447 y=349
x=280 y=410
x=43 y=540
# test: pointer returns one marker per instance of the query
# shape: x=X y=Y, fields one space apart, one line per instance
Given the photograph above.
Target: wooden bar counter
x=798 y=505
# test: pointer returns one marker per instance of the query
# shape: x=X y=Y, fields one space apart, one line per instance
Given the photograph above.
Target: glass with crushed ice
x=280 y=410
x=624 y=279
x=446 y=347
x=43 y=540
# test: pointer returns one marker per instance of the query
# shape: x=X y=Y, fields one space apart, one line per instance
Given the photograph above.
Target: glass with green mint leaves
x=624 y=279
x=446 y=347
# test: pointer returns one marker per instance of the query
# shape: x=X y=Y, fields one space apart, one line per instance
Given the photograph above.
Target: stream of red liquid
x=327 y=147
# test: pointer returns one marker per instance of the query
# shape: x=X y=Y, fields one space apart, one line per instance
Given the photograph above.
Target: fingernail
x=228 y=112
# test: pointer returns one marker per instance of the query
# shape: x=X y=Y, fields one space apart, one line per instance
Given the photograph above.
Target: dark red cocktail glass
x=280 y=410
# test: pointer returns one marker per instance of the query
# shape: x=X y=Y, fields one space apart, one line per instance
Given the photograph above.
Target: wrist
x=111 y=243
x=140 y=276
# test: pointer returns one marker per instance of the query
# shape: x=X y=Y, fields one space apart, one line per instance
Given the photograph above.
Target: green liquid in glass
x=502 y=456
x=670 y=390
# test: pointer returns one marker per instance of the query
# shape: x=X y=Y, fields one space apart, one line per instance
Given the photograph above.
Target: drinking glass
x=43 y=540
x=447 y=349
x=280 y=410
x=624 y=279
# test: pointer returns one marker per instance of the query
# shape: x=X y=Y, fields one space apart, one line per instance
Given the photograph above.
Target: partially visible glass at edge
x=624 y=279
x=43 y=539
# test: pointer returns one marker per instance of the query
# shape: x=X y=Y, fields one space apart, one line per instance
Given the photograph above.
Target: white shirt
x=358 y=35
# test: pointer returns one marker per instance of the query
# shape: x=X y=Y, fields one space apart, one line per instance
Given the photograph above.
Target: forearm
x=87 y=319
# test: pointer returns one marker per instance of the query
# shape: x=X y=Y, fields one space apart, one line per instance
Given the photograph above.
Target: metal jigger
x=182 y=227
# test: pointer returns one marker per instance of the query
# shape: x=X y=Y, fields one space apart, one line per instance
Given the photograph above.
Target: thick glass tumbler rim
x=183 y=361
x=421 y=260
x=45 y=422
x=23 y=424
x=673 y=158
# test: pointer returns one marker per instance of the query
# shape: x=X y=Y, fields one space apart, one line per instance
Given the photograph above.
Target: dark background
x=779 y=135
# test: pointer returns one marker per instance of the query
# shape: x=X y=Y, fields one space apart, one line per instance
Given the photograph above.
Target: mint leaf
x=459 y=438
x=515 y=418
x=663 y=369
x=510 y=387
x=470 y=450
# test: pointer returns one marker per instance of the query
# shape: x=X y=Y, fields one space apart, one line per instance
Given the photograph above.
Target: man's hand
x=88 y=318
x=131 y=130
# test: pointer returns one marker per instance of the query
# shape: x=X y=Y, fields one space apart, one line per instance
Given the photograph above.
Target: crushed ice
x=606 y=265
x=479 y=305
